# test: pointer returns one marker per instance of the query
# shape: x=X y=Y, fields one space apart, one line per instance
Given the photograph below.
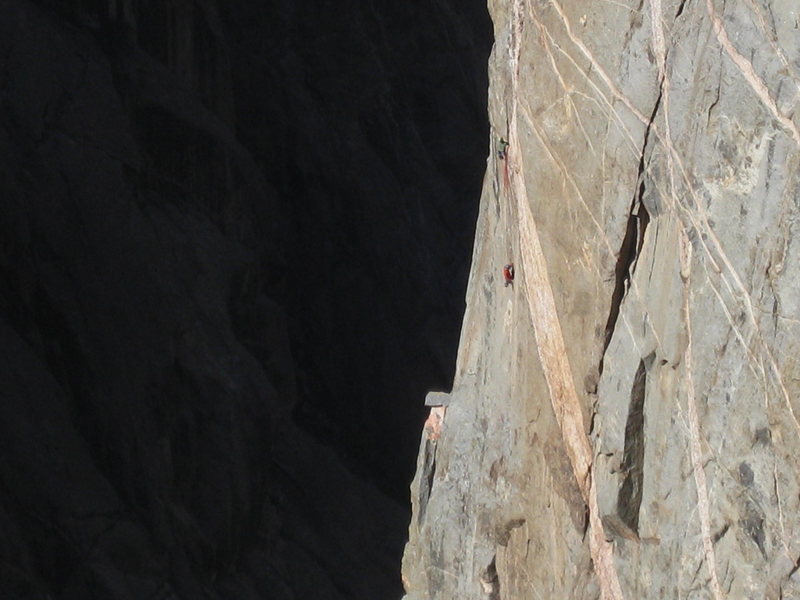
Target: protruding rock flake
x=630 y=403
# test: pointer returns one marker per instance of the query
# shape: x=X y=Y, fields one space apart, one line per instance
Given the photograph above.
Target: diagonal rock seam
x=550 y=344
x=695 y=441
x=748 y=72
x=555 y=364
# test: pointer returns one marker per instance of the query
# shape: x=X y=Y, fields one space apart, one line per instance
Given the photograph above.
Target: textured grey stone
x=650 y=194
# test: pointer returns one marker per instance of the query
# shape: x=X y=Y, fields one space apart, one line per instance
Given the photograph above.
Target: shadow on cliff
x=370 y=122
x=203 y=242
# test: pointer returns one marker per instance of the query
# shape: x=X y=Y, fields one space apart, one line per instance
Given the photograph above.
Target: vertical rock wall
x=624 y=422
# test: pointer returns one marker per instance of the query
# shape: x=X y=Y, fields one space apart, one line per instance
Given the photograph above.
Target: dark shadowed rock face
x=370 y=121
x=214 y=224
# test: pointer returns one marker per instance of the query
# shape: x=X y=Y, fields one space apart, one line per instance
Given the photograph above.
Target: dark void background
x=234 y=242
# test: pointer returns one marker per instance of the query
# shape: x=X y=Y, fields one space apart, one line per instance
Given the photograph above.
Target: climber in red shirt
x=508 y=274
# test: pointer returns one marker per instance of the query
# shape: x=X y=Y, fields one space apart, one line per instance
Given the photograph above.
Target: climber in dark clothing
x=508 y=274
x=502 y=150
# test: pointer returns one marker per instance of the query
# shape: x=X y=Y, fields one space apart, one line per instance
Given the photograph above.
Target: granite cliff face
x=624 y=419
x=171 y=338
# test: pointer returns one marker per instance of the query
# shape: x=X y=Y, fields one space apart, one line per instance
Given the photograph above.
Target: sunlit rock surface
x=626 y=421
